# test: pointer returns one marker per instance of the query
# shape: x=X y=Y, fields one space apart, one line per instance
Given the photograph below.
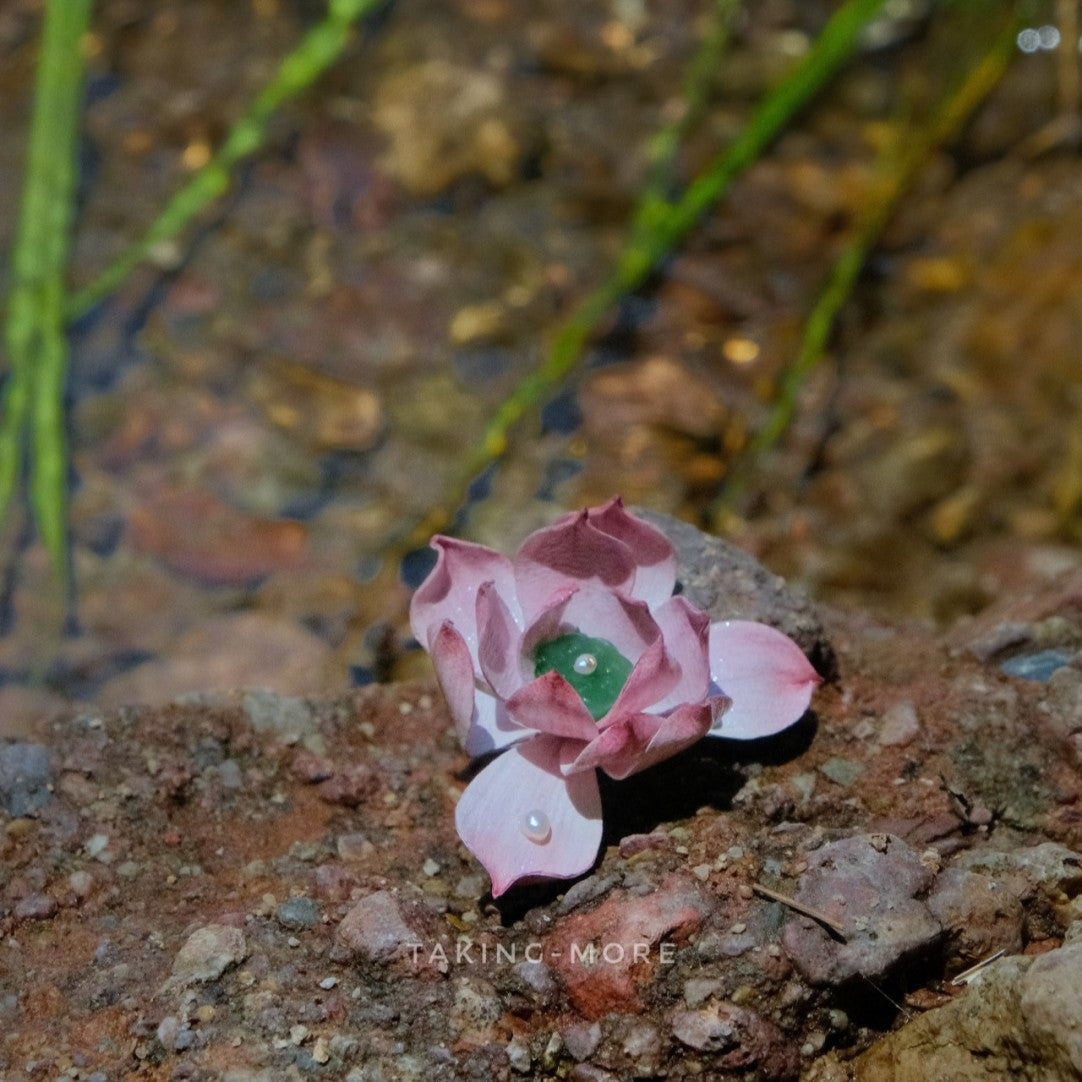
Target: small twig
x=968 y=974
x=800 y=907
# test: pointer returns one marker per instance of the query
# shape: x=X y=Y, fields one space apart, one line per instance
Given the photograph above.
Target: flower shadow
x=707 y=774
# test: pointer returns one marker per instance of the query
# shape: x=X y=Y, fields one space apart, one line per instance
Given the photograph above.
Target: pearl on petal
x=535 y=825
x=585 y=664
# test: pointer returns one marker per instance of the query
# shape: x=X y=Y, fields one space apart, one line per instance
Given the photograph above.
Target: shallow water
x=253 y=417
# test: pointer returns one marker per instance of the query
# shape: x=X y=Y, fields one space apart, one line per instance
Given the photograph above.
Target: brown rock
x=234 y=650
x=604 y=955
x=198 y=535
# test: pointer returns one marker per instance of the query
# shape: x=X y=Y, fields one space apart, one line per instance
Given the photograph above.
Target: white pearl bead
x=585 y=664
x=536 y=827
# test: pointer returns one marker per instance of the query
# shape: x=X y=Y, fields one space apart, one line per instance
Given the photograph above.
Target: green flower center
x=593 y=667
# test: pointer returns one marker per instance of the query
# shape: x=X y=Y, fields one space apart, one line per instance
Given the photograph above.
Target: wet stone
x=1039 y=666
x=297 y=914
x=25 y=779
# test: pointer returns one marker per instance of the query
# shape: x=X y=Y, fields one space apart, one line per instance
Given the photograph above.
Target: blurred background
x=259 y=414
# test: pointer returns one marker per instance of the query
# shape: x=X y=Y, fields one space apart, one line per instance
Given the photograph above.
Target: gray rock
x=1050 y=869
x=980 y=915
x=900 y=727
x=737 y=1038
x=868 y=884
x=731 y=584
x=476 y=1006
x=581 y=1039
x=1052 y=1008
x=298 y=913
x=374 y=929
x=25 y=779
x=288 y=718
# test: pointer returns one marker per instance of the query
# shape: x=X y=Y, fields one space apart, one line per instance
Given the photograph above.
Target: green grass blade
x=895 y=177
x=651 y=238
x=33 y=327
x=320 y=47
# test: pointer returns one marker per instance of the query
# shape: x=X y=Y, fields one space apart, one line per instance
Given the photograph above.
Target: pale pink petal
x=454 y=671
x=655 y=674
x=766 y=675
x=603 y=614
x=492 y=727
x=499 y=643
x=450 y=590
x=549 y=623
x=686 y=632
x=571 y=551
x=492 y=812
x=550 y=704
x=652 y=551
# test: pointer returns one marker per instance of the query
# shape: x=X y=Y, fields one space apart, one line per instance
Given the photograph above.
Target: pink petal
x=491 y=813
x=652 y=551
x=499 y=643
x=454 y=671
x=550 y=622
x=571 y=551
x=603 y=614
x=450 y=591
x=550 y=704
x=766 y=675
x=492 y=727
x=639 y=741
x=608 y=746
x=655 y=674
x=684 y=726
x=686 y=632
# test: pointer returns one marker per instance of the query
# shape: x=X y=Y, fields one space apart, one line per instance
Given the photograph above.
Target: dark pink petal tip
x=551 y=705
x=450 y=590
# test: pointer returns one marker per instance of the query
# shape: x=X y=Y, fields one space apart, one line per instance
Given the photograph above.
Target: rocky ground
x=250 y=887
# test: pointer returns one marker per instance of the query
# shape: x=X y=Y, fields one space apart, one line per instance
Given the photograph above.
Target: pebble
x=1039 y=666
x=581 y=1039
x=208 y=953
x=375 y=930
x=298 y=913
x=25 y=779
x=518 y=1055
x=36 y=907
x=354 y=847
x=535 y=975
x=843 y=772
x=476 y=1006
x=900 y=727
